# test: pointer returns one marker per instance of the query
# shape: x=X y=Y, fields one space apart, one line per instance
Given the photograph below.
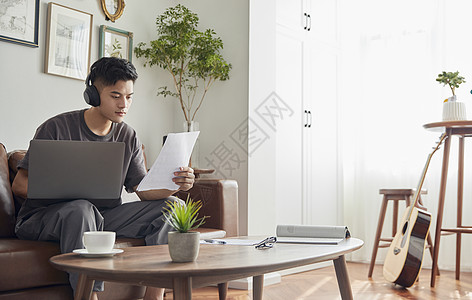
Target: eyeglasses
x=266 y=243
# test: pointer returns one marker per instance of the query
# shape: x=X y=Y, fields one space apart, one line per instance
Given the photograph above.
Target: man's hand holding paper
x=169 y=171
x=184 y=178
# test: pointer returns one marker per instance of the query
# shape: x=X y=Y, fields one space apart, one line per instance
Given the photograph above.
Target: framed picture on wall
x=115 y=42
x=69 y=33
x=113 y=9
x=19 y=22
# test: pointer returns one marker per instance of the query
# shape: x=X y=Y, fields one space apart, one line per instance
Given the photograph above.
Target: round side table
x=462 y=129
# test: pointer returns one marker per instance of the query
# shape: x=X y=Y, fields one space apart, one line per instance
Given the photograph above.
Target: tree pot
x=183 y=247
x=195 y=157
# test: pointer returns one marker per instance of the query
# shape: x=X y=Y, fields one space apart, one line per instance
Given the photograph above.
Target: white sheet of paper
x=175 y=153
x=239 y=242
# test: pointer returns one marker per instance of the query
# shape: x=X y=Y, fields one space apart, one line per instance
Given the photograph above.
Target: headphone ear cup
x=91 y=95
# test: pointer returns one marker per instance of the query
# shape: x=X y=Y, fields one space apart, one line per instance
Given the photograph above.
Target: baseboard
x=246 y=283
x=276 y=277
x=306 y=268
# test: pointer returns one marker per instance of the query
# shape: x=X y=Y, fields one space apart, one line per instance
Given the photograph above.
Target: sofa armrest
x=13 y=158
x=7 y=208
x=219 y=201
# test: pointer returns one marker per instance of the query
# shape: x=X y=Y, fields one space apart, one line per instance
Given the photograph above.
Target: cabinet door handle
x=306 y=120
x=306 y=21
x=309 y=26
x=309 y=113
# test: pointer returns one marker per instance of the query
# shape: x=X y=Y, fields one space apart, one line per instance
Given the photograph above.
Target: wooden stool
x=394 y=195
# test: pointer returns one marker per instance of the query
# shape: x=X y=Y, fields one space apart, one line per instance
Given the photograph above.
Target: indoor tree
x=191 y=57
x=452 y=79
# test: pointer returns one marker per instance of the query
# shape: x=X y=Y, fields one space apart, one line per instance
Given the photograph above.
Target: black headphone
x=91 y=94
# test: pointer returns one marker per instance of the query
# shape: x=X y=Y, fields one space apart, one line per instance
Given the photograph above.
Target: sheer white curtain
x=392 y=52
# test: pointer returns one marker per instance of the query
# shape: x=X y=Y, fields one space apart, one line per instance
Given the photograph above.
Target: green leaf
x=183 y=217
x=452 y=79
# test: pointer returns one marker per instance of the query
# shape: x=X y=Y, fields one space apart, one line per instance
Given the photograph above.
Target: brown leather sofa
x=26 y=271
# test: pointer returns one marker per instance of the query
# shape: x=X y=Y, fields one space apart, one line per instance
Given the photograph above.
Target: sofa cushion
x=29 y=260
x=7 y=208
x=210 y=233
x=129 y=242
x=13 y=158
x=25 y=264
x=55 y=292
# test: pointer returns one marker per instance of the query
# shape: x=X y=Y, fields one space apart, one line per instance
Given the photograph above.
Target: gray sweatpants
x=66 y=223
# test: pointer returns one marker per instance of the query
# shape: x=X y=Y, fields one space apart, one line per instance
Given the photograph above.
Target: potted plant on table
x=191 y=57
x=184 y=244
x=452 y=109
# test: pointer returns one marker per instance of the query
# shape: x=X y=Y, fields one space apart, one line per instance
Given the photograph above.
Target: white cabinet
x=320 y=142
x=307 y=172
x=288 y=135
x=290 y=13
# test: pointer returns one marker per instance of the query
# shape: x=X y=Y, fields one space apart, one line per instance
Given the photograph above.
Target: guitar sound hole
x=405 y=228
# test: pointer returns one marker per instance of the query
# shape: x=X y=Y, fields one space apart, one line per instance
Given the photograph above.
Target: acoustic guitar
x=405 y=255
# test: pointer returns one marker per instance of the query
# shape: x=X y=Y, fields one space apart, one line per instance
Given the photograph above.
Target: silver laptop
x=67 y=170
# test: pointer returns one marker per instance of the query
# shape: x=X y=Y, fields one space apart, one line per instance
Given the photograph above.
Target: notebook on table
x=68 y=170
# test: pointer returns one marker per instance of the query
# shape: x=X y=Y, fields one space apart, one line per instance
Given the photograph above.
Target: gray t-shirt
x=72 y=126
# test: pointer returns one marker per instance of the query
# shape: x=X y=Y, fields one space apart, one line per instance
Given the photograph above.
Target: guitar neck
x=416 y=197
x=423 y=175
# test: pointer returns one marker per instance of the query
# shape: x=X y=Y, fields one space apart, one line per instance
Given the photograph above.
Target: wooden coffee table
x=216 y=264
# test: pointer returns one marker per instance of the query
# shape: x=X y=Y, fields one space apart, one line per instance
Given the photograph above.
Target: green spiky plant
x=452 y=79
x=183 y=217
x=191 y=57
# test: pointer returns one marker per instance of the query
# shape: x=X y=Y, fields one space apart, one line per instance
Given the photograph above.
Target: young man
x=109 y=90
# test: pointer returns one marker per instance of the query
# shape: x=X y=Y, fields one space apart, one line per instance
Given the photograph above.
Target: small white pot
x=184 y=247
x=454 y=111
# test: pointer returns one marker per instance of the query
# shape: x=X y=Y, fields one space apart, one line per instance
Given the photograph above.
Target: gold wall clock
x=113 y=9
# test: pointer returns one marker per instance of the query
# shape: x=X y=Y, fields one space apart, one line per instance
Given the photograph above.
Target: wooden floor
x=322 y=284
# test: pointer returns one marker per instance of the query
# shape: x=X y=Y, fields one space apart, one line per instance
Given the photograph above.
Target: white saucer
x=85 y=253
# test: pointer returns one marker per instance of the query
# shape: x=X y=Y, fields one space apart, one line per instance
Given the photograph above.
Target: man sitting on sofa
x=109 y=90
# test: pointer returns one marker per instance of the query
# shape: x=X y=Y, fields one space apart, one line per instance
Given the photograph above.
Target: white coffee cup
x=99 y=241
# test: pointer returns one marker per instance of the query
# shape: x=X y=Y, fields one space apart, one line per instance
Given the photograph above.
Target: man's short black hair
x=109 y=70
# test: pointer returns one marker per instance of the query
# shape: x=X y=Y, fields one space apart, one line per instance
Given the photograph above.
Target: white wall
x=225 y=108
x=29 y=96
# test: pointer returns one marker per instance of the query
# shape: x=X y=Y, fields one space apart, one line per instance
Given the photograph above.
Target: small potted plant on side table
x=452 y=109
x=184 y=244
